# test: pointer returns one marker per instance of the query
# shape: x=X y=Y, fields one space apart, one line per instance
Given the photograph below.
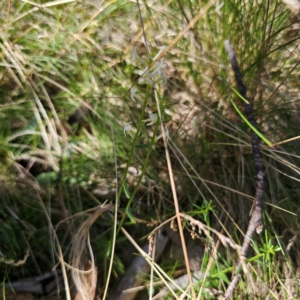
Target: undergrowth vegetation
x=118 y=128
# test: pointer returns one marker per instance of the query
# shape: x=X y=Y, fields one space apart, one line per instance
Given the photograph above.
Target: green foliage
x=75 y=76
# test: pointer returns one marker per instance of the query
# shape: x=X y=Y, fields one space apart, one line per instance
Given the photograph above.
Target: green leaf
x=131 y=217
x=222 y=276
x=126 y=190
x=251 y=126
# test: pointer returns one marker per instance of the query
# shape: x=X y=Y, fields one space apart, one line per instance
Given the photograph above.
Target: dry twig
x=256 y=222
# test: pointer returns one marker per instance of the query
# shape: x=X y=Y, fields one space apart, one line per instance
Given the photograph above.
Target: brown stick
x=256 y=222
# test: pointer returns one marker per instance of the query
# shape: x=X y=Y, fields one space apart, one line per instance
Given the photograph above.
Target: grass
x=67 y=79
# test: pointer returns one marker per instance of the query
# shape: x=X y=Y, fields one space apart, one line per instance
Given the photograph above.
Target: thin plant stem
x=174 y=193
x=140 y=123
x=114 y=234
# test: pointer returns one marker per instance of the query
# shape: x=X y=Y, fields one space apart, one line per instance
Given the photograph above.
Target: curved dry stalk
x=12 y=262
x=85 y=283
x=205 y=229
x=211 y=248
x=256 y=221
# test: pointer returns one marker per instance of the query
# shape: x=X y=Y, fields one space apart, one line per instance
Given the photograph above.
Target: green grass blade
x=251 y=126
x=126 y=190
x=240 y=96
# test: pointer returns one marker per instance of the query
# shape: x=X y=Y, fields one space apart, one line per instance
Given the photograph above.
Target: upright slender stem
x=256 y=222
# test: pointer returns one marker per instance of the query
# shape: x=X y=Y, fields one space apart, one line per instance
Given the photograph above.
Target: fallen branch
x=256 y=221
x=44 y=284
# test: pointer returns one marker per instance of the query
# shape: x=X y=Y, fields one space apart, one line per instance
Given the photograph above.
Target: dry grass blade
x=13 y=262
x=133 y=276
x=85 y=280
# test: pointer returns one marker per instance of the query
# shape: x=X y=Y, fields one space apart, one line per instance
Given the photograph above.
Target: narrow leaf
x=251 y=126
x=126 y=190
x=131 y=217
x=240 y=96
